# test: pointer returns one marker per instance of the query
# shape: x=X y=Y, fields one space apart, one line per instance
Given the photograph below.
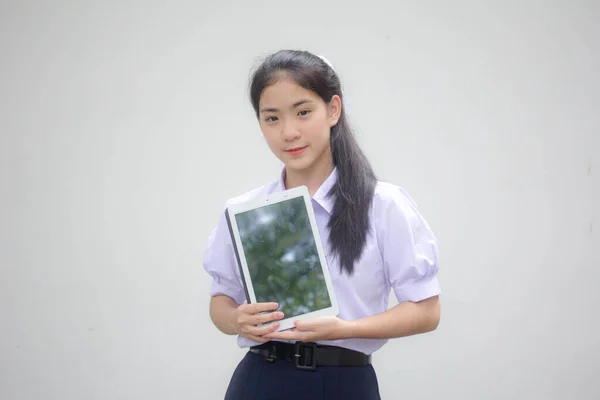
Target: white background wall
x=116 y=119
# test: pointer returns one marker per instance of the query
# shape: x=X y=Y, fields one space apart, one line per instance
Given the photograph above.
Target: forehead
x=285 y=93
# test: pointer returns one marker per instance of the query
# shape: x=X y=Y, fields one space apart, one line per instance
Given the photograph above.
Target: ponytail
x=353 y=194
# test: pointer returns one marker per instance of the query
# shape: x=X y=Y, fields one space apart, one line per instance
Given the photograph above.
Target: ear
x=334 y=110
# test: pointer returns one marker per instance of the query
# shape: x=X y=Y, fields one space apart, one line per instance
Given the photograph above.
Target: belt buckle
x=305 y=360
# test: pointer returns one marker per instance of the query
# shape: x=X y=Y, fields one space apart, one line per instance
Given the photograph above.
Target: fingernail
x=280 y=315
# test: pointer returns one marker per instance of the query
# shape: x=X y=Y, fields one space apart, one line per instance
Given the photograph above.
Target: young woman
x=378 y=239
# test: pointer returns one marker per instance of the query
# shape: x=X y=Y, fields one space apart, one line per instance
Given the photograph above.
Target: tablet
x=280 y=255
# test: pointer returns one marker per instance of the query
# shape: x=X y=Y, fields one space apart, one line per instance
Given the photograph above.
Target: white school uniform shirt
x=400 y=254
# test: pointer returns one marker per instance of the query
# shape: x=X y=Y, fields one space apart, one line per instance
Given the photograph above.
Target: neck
x=312 y=177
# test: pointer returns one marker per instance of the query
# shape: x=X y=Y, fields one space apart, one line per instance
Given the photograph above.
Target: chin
x=298 y=164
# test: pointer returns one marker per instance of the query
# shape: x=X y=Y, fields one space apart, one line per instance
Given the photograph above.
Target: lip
x=296 y=151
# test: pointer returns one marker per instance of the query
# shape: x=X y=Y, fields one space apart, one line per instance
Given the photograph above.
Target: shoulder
x=394 y=210
x=389 y=197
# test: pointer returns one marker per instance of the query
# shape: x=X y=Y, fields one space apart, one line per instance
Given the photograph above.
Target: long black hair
x=353 y=190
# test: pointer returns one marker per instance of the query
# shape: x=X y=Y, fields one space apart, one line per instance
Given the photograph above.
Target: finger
x=258 y=339
x=287 y=331
x=287 y=335
x=255 y=308
x=259 y=330
x=262 y=330
x=265 y=318
x=247 y=313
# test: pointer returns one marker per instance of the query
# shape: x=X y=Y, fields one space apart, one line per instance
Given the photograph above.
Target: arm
x=411 y=262
x=222 y=313
x=405 y=319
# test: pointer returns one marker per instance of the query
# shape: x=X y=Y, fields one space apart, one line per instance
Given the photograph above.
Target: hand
x=323 y=328
x=248 y=317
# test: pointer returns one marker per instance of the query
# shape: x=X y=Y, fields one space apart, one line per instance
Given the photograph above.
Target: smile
x=296 y=151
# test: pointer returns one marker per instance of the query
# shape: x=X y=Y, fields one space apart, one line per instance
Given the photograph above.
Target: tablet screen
x=282 y=257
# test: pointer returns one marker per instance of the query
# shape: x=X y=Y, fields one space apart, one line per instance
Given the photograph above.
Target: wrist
x=232 y=317
x=349 y=329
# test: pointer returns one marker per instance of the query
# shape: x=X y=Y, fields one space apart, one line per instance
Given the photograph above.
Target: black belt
x=308 y=356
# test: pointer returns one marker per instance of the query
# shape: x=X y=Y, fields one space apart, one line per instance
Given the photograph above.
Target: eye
x=304 y=112
x=271 y=119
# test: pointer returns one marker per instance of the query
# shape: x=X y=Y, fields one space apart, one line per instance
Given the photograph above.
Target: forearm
x=405 y=319
x=222 y=314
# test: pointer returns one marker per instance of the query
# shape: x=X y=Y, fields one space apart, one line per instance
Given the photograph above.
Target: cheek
x=318 y=133
x=272 y=139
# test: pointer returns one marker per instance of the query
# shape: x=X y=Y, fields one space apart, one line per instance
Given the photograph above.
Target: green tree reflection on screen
x=282 y=258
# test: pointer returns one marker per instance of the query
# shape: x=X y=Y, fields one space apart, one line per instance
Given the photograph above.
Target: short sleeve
x=220 y=263
x=409 y=249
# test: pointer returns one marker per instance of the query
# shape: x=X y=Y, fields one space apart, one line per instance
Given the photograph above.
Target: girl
x=378 y=239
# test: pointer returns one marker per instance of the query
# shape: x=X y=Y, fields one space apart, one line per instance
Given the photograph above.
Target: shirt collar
x=321 y=196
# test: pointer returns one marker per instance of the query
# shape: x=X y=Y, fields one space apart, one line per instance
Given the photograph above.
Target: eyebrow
x=296 y=104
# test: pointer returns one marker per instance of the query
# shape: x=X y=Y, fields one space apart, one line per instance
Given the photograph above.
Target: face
x=297 y=123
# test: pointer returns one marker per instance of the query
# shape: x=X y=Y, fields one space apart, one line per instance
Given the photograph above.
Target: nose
x=289 y=131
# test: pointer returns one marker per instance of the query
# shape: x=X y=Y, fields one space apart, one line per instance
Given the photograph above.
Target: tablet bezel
x=297 y=192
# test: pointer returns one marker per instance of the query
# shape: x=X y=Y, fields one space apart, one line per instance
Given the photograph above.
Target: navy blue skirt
x=258 y=379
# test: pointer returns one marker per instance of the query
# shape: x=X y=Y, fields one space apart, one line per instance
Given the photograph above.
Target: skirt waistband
x=307 y=356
